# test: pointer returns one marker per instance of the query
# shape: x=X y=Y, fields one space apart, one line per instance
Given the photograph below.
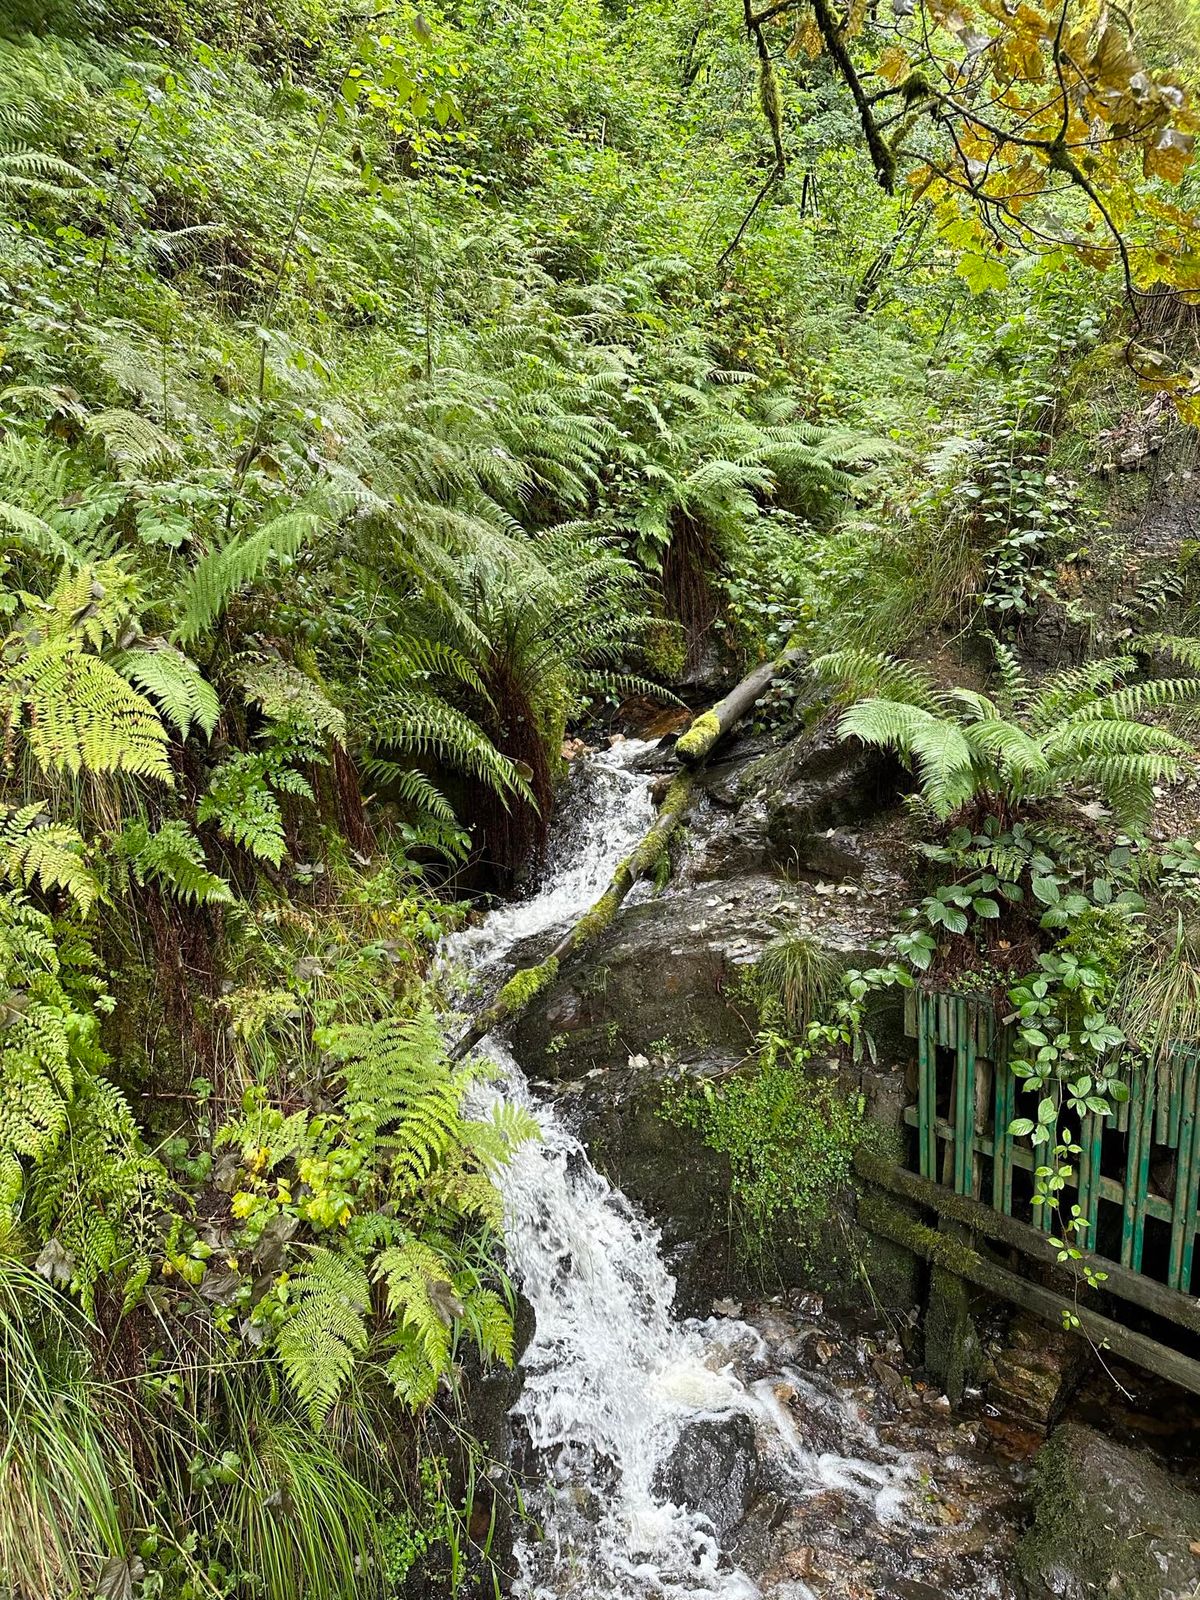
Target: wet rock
x=714 y=1469
x=1034 y=1372
x=1108 y=1521
x=820 y=781
x=669 y=975
x=669 y=1172
x=662 y=977
x=795 y=808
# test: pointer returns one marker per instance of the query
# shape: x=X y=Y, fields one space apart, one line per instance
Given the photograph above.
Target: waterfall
x=612 y=1377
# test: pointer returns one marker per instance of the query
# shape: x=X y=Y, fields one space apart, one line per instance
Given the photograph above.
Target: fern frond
x=287 y=695
x=864 y=673
x=83 y=716
x=171 y=679
x=172 y=858
x=410 y=788
x=244 y=809
x=223 y=573
x=133 y=443
x=324 y=1331
x=35 y=850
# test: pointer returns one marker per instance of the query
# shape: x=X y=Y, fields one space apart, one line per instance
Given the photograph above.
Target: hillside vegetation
x=385 y=392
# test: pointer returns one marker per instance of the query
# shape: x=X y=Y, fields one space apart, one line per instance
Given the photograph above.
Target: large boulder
x=816 y=804
x=1108 y=1521
x=670 y=975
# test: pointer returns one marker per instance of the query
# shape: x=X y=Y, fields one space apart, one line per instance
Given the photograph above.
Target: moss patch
x=700 y=738
x=1108 y=1521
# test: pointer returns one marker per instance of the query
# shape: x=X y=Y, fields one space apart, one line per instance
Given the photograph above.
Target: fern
x=35 y=850
x=324 y=1331
x=421 y=1296
x=175 y=684
x=223 y=573
x=133 y=443
x=244 y=809
x=1080 y=731
x=287 y=695
x=411 y=788
x=82 y=715
x=38 y=174
x=171 y=858
x=865 y=673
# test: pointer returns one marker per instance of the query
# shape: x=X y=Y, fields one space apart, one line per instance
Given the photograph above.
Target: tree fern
x=411 y=788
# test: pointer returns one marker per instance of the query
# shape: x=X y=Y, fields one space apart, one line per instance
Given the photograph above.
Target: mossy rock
x=1108 y=1521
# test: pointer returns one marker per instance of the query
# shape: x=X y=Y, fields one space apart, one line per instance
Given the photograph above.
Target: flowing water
x=613 y=1380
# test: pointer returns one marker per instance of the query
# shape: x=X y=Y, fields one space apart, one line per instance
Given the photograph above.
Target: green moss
x=524 y=985
x=942 y=1249
x=517 y=993
x=699 y=739
x=1066 y=1520
x=593 y=923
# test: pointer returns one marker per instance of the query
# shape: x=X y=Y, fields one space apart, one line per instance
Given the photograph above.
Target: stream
x=763 y=1451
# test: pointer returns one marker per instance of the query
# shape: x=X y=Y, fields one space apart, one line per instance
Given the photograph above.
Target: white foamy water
x=612 y=1377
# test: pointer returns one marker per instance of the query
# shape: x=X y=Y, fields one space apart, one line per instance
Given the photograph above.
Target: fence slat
x=1179 y=1266
x=1137 y=1170
x=1091 y=1136
x=926 y=1084
x=1163 y=1108
x=1002 y=1156
x=965 y=1167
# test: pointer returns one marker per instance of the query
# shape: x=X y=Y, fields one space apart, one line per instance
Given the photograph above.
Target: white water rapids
x=611 y=1377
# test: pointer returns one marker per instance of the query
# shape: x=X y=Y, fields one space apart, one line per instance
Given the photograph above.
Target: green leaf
x=982 y=272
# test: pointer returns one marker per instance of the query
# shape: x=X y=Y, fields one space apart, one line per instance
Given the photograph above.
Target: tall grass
x=67 y=1486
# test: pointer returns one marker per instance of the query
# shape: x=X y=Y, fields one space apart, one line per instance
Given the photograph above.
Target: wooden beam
x=1102 y=1332
x=1150 y=1295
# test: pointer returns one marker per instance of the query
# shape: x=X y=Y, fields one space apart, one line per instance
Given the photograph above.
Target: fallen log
x=643 y=861
x=695 y=746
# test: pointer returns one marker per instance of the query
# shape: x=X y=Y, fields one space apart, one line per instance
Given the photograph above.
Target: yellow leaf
x=1170 y=156
x=807 y=37
x=894 y=65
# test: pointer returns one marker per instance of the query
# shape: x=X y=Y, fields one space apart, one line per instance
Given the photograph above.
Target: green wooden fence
x=966 y=1099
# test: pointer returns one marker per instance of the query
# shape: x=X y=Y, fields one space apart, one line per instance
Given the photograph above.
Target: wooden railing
x=1139 y=1168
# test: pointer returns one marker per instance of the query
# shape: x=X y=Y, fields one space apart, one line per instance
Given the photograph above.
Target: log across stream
x=643 y=860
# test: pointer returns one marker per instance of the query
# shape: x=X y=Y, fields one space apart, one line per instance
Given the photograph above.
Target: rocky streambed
x=678 y=1435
